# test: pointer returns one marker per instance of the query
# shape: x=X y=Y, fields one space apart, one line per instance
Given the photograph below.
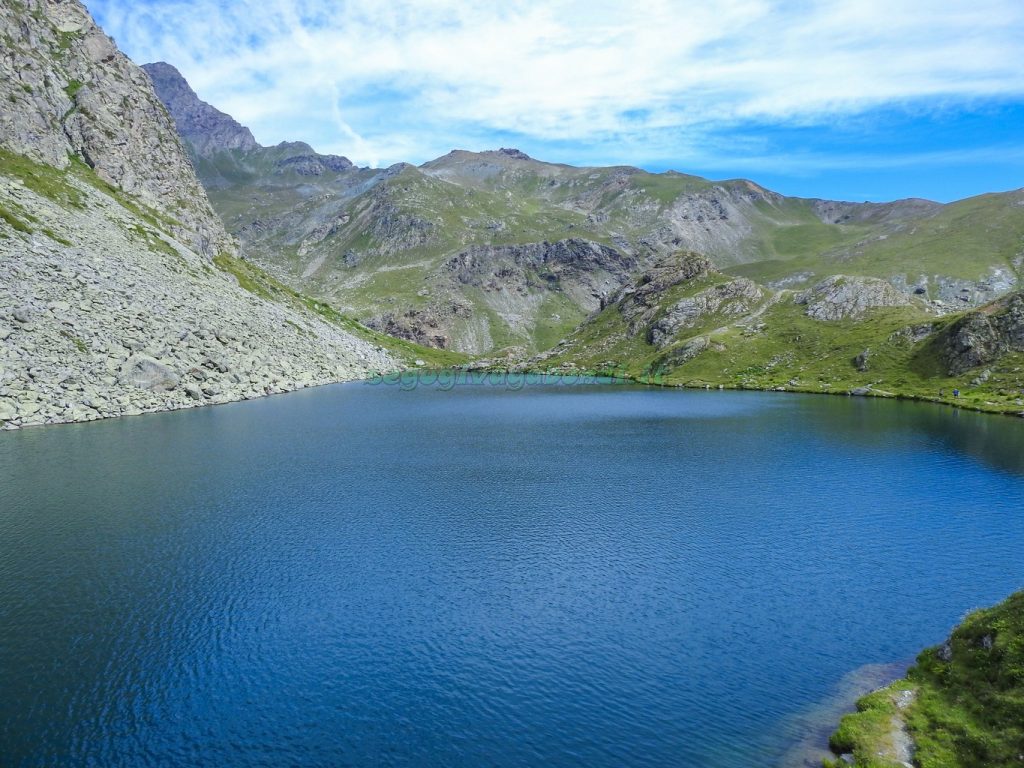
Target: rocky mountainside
x=120 y=291
x=206 y=129
x=466 y=251
x=210 y=136
x=67 y=93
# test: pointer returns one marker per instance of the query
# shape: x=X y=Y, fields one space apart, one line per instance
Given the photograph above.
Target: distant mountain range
x=492 y=253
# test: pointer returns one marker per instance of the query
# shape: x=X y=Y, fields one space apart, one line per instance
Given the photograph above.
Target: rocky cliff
x=68 y=93
x=983 y=336
x=119 y=289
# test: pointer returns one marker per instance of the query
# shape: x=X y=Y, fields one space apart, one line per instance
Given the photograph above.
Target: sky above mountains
x=849 y=99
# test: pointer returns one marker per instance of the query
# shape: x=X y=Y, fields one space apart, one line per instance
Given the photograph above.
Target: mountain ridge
x=378 y=242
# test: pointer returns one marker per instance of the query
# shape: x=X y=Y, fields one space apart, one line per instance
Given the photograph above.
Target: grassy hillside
x=961 y=704
x=773 y=342
x=376 y=243
x=963 y=241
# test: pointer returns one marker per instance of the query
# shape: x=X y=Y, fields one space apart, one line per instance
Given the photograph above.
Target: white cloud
x=405 y=79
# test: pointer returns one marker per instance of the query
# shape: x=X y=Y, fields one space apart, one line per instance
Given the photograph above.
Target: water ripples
x=561 y=575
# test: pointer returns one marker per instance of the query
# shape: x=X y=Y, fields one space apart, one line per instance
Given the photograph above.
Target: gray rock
x=207 y=129
x=685 y=352
x=945 y=652
x=861 y=361
x=839 y=297
x=146 y=373
x=983 y=336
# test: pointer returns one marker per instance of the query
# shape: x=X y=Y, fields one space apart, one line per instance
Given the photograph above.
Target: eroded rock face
x=981 y=337
x=840 y=297
x=427 y=326
x=68 y=91
x=538 y=265
x=639 y=302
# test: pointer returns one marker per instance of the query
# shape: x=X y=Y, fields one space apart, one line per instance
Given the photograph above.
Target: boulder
x=146 y=373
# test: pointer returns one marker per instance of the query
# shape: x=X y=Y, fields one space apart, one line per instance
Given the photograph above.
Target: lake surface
x=560 y=576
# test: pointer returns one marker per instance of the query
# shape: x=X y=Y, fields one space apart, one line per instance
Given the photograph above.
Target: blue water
x=560 y=576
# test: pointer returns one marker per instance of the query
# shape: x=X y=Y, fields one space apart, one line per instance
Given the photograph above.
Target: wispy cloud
x=407 y=80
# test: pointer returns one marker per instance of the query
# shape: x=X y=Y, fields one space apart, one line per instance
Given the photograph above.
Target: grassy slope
x=487 y=198
x=473 y=199
x=257 y=281
x=963 y=240
x=969 y=706
x=785 y=349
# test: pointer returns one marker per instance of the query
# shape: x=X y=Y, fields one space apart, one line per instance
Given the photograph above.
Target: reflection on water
x=605 y=576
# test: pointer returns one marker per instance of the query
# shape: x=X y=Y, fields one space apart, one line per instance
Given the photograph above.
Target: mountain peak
x=515 y=153
x=204 y=127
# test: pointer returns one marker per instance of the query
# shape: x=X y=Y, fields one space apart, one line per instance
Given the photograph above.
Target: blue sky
x=847 y=99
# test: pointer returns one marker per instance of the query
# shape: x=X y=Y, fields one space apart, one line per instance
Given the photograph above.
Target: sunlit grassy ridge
x=257 y=281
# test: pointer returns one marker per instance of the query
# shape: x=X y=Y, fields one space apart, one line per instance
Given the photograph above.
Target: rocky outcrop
x=836 y=212
x=205 y=128
x=841 y=297
x=69 y=95
x=982 y=337
x=303 y=161
x=539 y=264
x=427 y=326
x=730 y=299
x=641 y=301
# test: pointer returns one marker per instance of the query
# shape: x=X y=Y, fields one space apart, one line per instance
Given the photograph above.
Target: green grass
x=55 y=237
x=79 y=344
x=969 y=709
x=66 y=40
x=868 y=733
x=72 y=88
x=789 y=350
x=44 y=180
x=14 y=222
x=257 y=281
x=964 y=241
